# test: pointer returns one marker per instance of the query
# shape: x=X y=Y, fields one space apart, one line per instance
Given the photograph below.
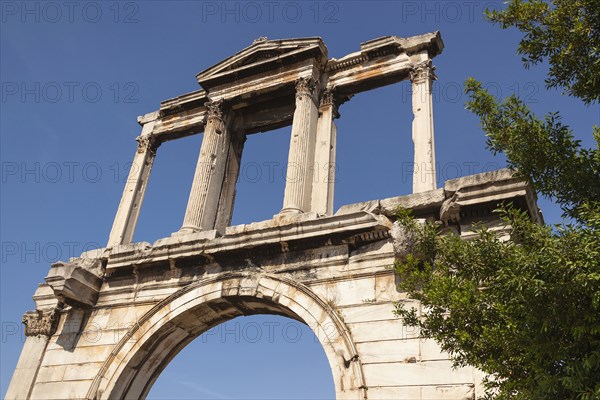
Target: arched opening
x=148 y=347
x=249 y=357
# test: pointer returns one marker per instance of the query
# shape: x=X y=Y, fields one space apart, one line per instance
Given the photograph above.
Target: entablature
x=257 y=84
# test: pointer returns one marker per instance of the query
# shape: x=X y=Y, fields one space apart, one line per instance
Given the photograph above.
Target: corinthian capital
x=306 y=87
x=214 y=109
x=147 y=143
x=41 y=322
x=329 y=99
x=422 y=71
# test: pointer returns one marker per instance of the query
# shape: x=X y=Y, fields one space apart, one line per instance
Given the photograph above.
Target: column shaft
x=204 y=197
x=135 y=188
x=422 y=127
x=324 y=179
x=299 y=177
x=331 y=170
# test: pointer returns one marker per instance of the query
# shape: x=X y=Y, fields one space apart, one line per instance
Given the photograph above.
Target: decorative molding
x=368 y=237
x=337 y=65
x=77 y=283
x=40 y=322
x=450 y=209
x=260 y=39
x=422 y=71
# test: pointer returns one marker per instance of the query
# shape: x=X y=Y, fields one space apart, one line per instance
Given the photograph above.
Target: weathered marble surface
x=331 y=272
x=107 y=323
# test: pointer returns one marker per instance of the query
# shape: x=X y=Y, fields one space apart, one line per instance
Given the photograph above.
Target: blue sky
x=75 y=75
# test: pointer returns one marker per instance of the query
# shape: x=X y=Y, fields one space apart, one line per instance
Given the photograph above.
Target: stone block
x=420 y=373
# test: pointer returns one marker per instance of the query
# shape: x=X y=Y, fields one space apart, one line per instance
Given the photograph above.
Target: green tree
x=566 y=33
x=526 y=311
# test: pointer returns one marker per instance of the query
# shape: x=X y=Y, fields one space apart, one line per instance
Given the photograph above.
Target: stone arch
x=147 y=348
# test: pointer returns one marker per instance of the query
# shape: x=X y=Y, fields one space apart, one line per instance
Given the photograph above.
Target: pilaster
x=228 y=191
x=325 y=151
x=39 y=326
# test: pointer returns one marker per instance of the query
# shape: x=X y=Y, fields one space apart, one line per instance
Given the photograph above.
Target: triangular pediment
x=261 y=56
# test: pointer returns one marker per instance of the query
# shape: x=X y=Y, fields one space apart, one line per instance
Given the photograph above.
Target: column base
x=186 y=230
x=292 y=218
x=289 y=211
x=182 y=236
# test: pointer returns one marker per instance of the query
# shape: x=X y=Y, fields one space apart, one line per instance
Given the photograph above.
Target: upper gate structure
x=108 y=322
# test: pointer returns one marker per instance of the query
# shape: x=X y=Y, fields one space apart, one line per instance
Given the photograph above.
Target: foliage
x=542 y=151
x=566 y=33
x=526 y=311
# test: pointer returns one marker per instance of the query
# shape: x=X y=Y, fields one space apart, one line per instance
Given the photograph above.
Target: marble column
x=135 y=188
x=324 y=166
x=422 y=76
x=201 y=212
x=299 y=177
